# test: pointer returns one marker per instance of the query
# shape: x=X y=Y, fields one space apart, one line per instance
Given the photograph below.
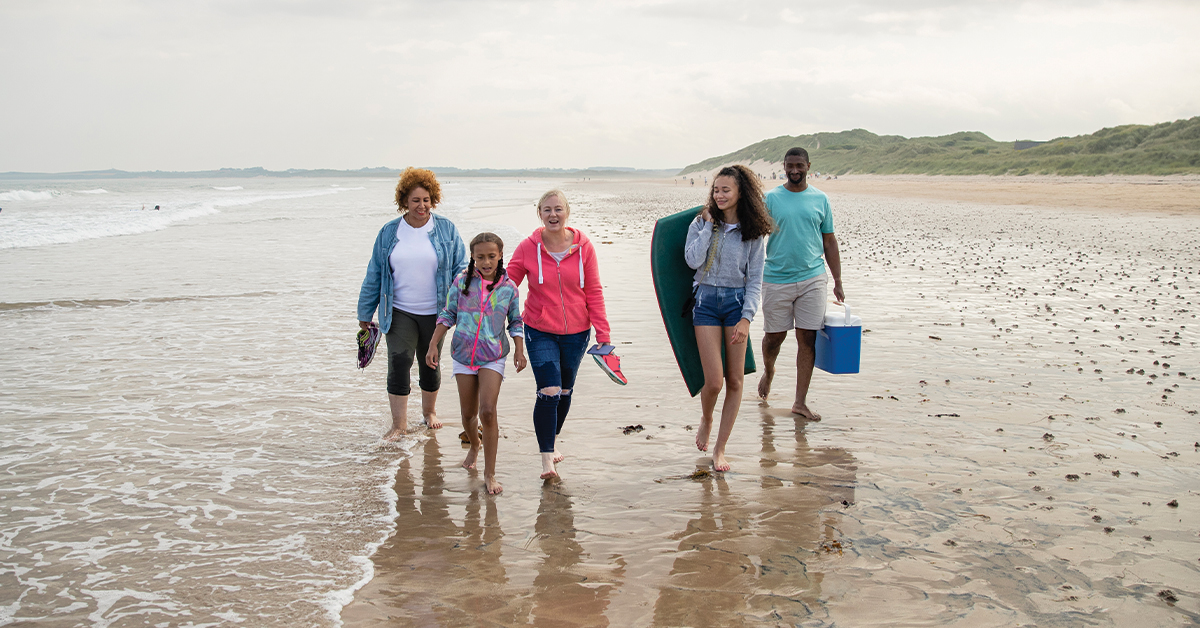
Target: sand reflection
x=564 y=592
x=748 y=556
x=434 y=571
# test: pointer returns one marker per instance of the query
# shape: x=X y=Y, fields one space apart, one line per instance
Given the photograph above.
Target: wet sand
x=1019 y=449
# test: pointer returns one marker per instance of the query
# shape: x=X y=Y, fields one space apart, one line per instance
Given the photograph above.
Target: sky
x=193 y=85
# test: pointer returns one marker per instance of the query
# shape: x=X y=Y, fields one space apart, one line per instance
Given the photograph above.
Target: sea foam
x=69 y=221
x=27 y=195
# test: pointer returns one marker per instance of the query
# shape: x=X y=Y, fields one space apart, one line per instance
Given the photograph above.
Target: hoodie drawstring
x=579 y=250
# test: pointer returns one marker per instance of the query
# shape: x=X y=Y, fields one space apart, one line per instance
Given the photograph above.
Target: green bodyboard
x=673 y=286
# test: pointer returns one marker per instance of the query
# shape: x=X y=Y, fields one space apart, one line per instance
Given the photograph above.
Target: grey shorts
x=800 y=305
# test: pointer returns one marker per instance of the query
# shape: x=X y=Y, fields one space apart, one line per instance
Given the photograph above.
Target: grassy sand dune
x=1167 y=148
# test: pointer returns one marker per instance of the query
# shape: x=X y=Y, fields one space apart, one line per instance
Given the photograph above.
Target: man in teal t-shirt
x=794 y=280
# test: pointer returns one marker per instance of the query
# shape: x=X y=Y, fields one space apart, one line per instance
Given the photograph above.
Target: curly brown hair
x=752 y=212
x=413 y=178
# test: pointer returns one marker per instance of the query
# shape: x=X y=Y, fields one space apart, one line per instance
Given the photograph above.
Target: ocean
x=186 y=439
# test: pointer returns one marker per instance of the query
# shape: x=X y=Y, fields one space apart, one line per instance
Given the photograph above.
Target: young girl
x=726 y=246
x=481 y=300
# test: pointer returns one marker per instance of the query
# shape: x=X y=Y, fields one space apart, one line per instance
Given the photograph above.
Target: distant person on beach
x=413 y=262
x=482 y=302
x=726 y=245
x=794 y=280
x=565 y=301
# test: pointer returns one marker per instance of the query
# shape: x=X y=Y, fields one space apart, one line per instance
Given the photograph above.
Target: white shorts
x=463 y=369
x=800 y=305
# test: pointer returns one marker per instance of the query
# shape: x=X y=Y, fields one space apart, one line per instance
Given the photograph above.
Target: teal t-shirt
x=796 y=250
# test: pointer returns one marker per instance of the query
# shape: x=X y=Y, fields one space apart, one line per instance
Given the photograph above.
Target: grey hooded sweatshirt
x=730 y=262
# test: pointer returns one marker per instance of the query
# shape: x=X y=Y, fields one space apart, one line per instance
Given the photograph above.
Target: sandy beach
x=188 y=442
x=1019 y=448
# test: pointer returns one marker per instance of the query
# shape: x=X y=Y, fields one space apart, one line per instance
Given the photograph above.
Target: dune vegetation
x=1160 y=149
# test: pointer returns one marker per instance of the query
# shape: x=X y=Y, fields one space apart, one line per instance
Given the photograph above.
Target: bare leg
x=708 y=340
x=428 y=401
x=489 y=391
x=468 y=402
x=399 y=407
x=770 y=350
x=735 y=369
x=805 y=356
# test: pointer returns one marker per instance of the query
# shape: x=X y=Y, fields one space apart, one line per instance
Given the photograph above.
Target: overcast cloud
x=174 y=85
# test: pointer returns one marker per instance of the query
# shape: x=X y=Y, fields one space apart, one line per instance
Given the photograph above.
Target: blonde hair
x=413 y=178
x=561 y=196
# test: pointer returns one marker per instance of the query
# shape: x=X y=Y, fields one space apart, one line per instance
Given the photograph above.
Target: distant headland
x=1160 y=149
x=244 y=173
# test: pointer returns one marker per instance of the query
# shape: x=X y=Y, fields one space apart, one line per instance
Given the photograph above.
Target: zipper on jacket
x=479 y=327
x=561 y=297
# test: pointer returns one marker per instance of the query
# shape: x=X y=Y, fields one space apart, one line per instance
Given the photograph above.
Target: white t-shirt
x=414 y=270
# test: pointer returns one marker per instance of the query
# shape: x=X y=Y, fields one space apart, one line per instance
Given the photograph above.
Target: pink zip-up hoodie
x=564 y=298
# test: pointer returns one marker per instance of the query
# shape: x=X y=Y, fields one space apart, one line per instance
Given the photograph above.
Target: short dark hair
x=798 y=152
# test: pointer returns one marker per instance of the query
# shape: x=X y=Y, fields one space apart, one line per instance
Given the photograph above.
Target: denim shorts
x=718 y=307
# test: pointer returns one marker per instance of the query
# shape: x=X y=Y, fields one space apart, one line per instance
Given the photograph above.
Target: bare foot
x=432 y=422
x=548 y=470
x=802 y=410
x=702 y=434
x=764 y=384
x=493 y=487
x=558 y=457
x=719 y=462
x=394 y=434
x=469 y=463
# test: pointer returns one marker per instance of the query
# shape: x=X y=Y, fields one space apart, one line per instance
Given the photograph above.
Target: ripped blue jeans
x=555 y=360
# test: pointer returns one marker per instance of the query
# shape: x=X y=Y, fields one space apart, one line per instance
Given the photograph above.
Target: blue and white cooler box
x=839 y=343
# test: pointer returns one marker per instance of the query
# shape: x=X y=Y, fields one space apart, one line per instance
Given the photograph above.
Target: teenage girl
x=726 y=246
x=482 y=300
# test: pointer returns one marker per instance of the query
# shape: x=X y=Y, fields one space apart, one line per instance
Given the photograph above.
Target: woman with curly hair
x=726 y=244
x=413 y=263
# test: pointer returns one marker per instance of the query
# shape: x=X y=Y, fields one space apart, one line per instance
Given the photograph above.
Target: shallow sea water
x=187 y=443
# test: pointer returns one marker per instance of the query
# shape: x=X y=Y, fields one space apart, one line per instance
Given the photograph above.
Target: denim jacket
x=376 y=289
x=479 y=318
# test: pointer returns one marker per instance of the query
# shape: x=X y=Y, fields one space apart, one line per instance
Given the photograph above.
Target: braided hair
x=500 y=272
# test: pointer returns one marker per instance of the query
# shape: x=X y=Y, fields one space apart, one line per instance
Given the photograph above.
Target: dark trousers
x=408 y=340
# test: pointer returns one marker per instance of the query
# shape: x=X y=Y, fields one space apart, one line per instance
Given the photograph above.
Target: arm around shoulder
x=515 y=267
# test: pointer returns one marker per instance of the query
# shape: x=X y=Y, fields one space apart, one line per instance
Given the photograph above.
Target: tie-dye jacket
x=479 y=318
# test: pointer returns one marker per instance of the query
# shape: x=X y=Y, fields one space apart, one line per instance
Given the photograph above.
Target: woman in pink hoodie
x=565 y=301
